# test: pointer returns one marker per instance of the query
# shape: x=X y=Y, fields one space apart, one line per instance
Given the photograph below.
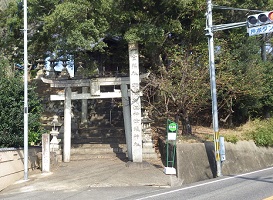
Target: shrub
x=263 y=133
x=231 y=138
x=12 y=108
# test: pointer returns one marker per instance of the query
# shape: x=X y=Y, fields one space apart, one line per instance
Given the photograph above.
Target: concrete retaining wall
x=12 y=165
x=196 y=162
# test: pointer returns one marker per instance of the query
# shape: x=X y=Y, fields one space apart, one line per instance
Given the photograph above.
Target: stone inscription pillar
x=135 y=103
x=45 y=153
x=67 y=125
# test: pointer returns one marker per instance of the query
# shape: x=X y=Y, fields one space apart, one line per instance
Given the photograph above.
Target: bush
x=231 y=138
x=12 y=108
x=263 y=133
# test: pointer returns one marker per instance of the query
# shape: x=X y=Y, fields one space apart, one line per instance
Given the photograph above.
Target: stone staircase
x=98 y=142
x=103 y=136
x=92 y=151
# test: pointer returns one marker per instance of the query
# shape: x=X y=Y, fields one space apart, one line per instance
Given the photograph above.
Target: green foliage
x=208 y=137
x=55 y=26
x=34 y=137
x=172 y=44
x=75 y=25
x=240 y=77
x=263 y=133
x=12 y=107
x=231 y=138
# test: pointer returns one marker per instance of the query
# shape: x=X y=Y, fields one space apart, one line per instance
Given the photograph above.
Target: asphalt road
x=256 y=185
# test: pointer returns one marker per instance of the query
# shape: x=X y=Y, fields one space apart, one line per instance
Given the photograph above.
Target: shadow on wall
x=162 y=150
x=196 y=161
x=12 y=164
x=209 y=146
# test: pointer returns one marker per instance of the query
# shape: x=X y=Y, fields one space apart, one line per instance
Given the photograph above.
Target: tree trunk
x=186 y=125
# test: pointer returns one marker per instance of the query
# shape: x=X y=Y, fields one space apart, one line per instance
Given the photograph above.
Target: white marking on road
x=207 y=183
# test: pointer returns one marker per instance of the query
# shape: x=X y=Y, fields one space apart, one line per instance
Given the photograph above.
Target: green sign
x=172 y=127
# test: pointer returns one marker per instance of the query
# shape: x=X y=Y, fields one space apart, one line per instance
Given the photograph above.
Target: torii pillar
x=84 y=106
x=127 y=119
x=67 y=125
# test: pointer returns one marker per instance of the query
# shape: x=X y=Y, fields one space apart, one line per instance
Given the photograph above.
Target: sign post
x=172 y=129
x=25 y=94
x=261 y=23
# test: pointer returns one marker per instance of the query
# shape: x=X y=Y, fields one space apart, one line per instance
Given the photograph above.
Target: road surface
x=256 y=185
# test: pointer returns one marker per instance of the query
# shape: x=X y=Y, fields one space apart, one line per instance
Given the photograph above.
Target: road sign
x=172 y=129
x=268 y=28
x=172 y=126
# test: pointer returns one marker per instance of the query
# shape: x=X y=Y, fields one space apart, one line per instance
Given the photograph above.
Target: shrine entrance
x=93 y=89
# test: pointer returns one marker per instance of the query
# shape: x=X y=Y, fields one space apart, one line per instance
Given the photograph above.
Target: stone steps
x=101 y=131
x=98 y=141
x=78 y=157
x=92 y=151
x=98 y=148
x=107 y=135
x=106 y=142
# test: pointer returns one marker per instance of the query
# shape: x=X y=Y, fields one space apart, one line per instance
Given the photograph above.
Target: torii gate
x=131 y=110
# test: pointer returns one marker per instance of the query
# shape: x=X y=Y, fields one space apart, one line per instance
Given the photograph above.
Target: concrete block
x=170 y=170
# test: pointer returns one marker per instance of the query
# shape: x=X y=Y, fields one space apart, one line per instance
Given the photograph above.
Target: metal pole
x=213 y=87
x=25 y=94
x=264 y=48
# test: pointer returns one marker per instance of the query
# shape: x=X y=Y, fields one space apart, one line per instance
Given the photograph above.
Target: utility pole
x=256 y=24
x=25 y=95
x=209 y=33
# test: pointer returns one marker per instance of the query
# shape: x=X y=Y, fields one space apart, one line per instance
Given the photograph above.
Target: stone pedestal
x=54 y=143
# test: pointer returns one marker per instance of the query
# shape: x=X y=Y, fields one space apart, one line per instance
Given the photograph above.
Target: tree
x=168 y=32
x=12 y=107
x=173 y=47
x=66 y=27
x=183 y=87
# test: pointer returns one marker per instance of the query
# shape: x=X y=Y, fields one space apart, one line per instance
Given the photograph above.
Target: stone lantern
x=147 y=142
x=51 y=71
x=54 y=143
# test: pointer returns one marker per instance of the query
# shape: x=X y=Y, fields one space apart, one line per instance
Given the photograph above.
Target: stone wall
x=196 y=162
x=12 y=164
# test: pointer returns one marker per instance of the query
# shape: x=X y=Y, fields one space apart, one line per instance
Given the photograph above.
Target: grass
x=260 y=131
